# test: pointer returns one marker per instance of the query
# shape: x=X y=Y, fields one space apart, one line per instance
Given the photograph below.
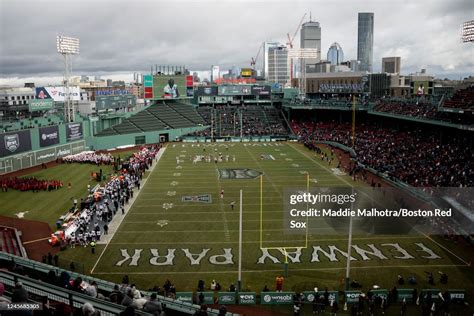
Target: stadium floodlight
x=67 y=46
x=467 y=32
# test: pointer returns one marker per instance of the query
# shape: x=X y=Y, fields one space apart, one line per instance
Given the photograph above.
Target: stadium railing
x=175 y=305
x=55 y=293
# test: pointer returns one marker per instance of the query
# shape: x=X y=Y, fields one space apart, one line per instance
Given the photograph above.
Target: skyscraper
x=365 y=41
x=266 y=48
x=215 y=73
x=311 y=38
x=278 y=71
x=335 y=54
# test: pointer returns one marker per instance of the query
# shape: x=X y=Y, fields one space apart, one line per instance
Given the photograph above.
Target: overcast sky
x=121 y=37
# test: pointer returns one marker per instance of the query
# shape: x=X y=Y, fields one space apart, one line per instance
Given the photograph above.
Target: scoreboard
x=167 y=87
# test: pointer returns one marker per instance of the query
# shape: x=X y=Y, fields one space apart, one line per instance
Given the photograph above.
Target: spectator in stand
x=116 y=296
x=128 y=298
x=3 y=300
x=279 y=283
x=91 y=290
x=89 y=310
x=153 y=306
x=202 y=311
x=129 y=311
x=20 y=294
x=426 y=161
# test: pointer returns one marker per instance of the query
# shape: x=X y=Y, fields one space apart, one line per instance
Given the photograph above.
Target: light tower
x=67 y=46
x=467 y=32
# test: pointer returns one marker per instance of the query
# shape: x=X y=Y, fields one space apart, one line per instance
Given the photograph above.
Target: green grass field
x=161 y=224
x=48 y=206
x=195 y=235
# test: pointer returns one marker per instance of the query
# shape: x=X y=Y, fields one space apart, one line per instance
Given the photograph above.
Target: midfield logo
x=203 y=198
x=239 y=173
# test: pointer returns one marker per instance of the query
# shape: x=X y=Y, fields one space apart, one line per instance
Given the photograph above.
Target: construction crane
x=289 y=44
x=254 y=60
x=291 y=39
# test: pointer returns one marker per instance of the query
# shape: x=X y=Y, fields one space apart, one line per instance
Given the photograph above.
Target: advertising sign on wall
x=14 y=143
x=40 y=105
x=73 y=131
x=276 y=298
x=57 y=93
x=226 y=298
x=207 y=91
x=234 y=90
x=48 y=136
x=261 y=90
x=247 y=298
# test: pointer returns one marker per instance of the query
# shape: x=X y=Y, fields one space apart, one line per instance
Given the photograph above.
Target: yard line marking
x=192 y=213
x=254 y=241
x=158 y=157
x=207 y=231
x=446 y=249
x=217 y=221
x=292 y=269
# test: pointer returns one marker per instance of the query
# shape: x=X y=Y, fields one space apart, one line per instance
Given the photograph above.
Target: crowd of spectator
x=462 y=99
x=29 y=184
x=256 y=121
x=420 y=110
x=415 y=157
x=90 y=157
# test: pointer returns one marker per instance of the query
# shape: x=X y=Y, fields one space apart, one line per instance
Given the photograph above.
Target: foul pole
x=239 y=281
x=349 y=241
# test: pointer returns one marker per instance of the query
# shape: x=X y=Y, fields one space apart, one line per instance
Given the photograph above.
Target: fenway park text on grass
x=372 y=212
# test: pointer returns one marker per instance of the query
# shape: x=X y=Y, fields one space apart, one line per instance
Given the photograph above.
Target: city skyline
x=119 y=39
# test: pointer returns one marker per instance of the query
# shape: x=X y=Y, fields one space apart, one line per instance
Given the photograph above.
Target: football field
x=181 y=228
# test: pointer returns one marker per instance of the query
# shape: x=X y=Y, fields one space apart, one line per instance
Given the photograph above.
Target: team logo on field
x=203 y=198
x=12 y=142
x=239 y=173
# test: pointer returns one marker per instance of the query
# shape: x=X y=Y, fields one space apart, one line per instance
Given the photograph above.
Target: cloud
x=119 y=36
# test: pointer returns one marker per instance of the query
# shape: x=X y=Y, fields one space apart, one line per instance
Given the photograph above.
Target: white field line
x=128 y=208
x=253 y=241
x=292 y=269
x=207 y=231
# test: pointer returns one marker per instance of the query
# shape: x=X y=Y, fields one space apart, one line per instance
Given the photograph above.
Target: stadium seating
x=187 y=111
x=415 y=157
x=462 y=99
x=28 y=272
x=10 y=241
x=257 y=120
x=155 y=118
x=30 y=123
x=420 y=110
